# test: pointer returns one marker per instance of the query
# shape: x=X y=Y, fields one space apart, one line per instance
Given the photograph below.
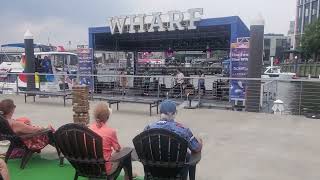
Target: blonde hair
x=102 y=113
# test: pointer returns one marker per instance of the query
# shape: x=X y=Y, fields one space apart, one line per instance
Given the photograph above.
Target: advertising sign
x=85 y=66
x=238 y=69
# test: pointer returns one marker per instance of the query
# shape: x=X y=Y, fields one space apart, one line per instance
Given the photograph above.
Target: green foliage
x=311 y=39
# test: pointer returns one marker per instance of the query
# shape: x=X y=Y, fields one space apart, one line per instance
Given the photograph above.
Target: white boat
x=274 y=72
x=13 y=80
x=53 y=75
x=8 y=76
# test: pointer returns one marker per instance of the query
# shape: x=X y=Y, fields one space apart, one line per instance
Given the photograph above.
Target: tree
x=311 y=40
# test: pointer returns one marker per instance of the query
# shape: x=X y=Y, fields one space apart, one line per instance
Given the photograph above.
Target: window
x=73 y=60
x=11 y=78
x=269 y=71
x=299 y=12
x=267 y=43
x=300 y=2
x=314 y=8
x=275 y=70
x=279 y=42
x=58 y=61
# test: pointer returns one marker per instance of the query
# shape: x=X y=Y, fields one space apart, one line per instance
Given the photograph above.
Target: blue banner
x=85 y=67
x=238 y=69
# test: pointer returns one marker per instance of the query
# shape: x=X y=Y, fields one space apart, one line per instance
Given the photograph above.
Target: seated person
x=154 y=85
x=179 y=77
x=4 y=170
x=167 y=121
x=110 y=142
x=46 y=65
x=179 y=82
x=146 y=82
x=23 y=126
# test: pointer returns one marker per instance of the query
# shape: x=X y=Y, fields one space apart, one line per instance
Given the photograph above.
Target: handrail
x=196 y=78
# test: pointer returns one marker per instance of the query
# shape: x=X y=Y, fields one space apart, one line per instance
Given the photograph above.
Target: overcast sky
x=60 y=21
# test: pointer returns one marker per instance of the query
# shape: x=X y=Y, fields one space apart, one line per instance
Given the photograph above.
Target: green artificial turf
x=40 y=169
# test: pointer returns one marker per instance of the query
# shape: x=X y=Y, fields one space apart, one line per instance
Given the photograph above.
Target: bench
x=44 y=93
x=153 y=103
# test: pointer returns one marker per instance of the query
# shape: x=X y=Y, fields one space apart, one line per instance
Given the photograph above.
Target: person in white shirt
x=178 y=87
x=179 y=77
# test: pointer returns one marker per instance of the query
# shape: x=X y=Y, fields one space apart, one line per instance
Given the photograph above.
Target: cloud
x=53 y=30
x=276 y=13
x=62 y=21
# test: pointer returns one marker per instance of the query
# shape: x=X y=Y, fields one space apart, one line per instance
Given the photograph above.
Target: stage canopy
x=215 y=33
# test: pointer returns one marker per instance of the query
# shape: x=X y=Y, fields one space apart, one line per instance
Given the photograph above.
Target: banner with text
x=239 y=69
x=85 y=67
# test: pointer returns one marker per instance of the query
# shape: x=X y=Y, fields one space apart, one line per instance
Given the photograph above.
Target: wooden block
x=80 y=109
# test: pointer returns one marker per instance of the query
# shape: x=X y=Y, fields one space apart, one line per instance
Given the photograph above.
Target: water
x=310 y=97
x=300 y=97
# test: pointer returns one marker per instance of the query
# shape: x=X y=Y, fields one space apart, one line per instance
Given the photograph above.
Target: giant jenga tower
x=80 y=104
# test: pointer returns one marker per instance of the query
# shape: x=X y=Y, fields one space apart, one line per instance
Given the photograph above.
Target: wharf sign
x=171 y=21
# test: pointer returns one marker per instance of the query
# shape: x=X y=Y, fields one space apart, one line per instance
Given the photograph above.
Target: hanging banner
x=85 y=67
x=238 y=69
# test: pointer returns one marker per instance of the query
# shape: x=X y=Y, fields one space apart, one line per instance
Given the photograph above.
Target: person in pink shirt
x=22 y=126
x=110 y=142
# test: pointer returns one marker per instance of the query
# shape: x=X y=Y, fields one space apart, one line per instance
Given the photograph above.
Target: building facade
x=274 y=47
x=307 y=12
x=291 y=28
x=291 y=34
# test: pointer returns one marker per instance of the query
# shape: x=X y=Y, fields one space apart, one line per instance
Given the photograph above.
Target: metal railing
x=300 y=96
x=268 y=94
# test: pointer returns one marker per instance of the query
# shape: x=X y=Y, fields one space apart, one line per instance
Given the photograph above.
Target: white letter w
x=117 y=22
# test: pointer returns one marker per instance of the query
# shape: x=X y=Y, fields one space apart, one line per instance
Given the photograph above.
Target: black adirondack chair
x=83 y=149
x=164 y=155
x=16 y=141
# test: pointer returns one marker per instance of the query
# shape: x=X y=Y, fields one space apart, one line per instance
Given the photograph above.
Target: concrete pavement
x=238 y=145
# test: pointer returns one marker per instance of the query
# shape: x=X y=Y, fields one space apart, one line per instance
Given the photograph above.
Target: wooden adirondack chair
x=164 y=155
x=1 y=178
x=16 y=141
x=83 y=149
